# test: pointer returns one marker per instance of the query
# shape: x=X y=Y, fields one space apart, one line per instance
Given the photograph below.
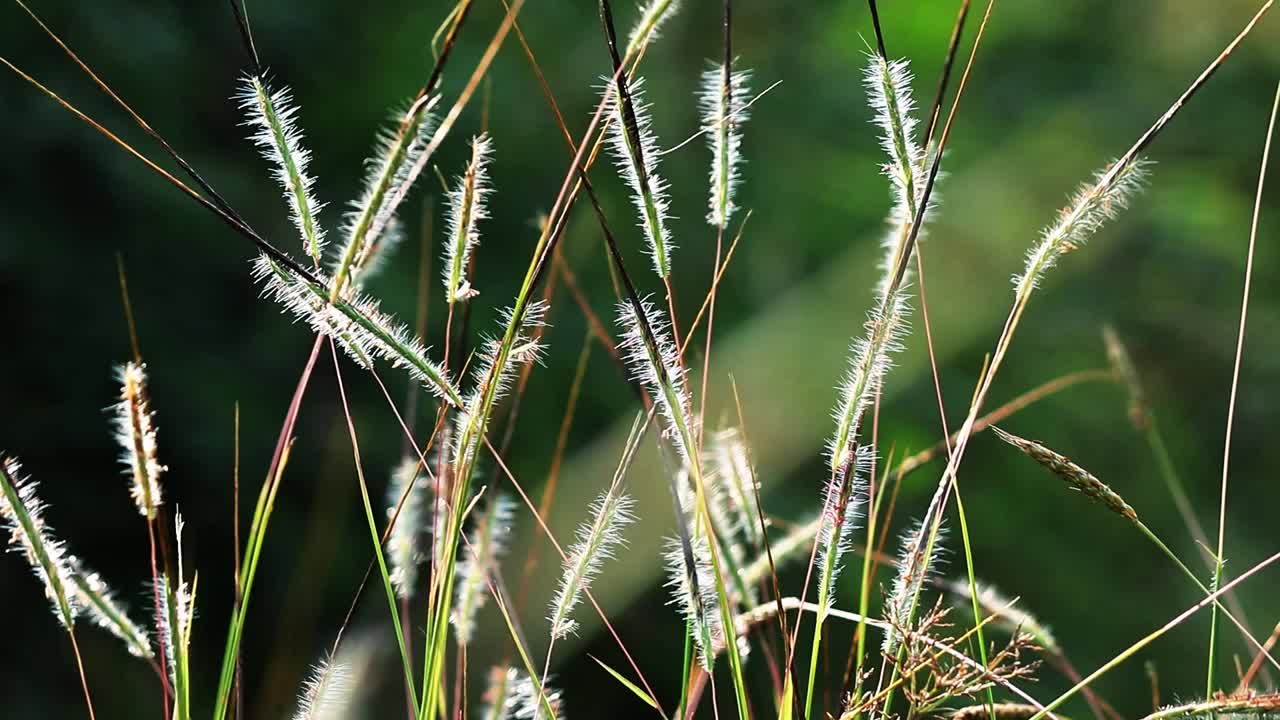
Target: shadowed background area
x=1059 y=89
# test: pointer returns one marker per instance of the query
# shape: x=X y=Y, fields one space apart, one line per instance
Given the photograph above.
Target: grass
x=443 y=545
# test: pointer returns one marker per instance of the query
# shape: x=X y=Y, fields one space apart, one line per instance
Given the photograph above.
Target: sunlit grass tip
x=636 y=152
x=888 y=85
x=103 y=607
x=734 y=468
x=466 y=209
x=272 y=116
x=723 y=115
x=658 y=368
x=653 y=15
x=326 y=693
x=23 y=513
x=135 y=432
x=596 y=541
x=697 y=605
x=915 y=567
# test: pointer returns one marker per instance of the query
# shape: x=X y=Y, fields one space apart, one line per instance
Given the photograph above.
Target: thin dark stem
x=875 y=23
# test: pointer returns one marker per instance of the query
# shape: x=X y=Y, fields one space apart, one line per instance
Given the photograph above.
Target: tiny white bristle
x=466 y=209
x=659 y=370
x=1091 y=207
x=722 y=123
x=596 y=541
x=273 y=118
x=135 y=432
x=648 y=189
x=23 y=513
x=484 y=548
x=326 y=692
x=846 y=496
x=917 y=562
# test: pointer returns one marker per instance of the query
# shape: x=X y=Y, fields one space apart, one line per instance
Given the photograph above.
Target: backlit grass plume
x=326 y=693
x=369 y=221
x=535 y=701
x=1076 y=477
x=499 y=694
x=357 y=324
x=841 y=510
x=657 y=366
x=484 y=548
x=915 y=567
x=635 y=150
x=273 y=118
x=177 y=611
x=722 y=101
x=404 y=544
x=737 y=475
x=100 y=604
x=697 y=604
x=596 y=541
x=23 y=514
x=135 y=431
x=466 y=210
x=870 y=360
x=1092 y=206
x=652 y=17
x=888 y=84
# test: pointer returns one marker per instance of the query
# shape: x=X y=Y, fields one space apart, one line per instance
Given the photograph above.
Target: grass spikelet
x=326 y=692
x=177 y=610
x=1009 y=614
x=356 y=323
x=102 y=606
x=723 y=114
x=870 y=359
x=466 y=210
x=135 y=432
x=914 y=568
x=273 y=118
x=845 y=497
x=648 y=27
x=23 y=513
x=1266 y=705
x=658 y=368
x=387 y=172
x=596 y=541
x=1091 y=207
x=999 y=711
x=737 y=475
x=888 y=84
x=1076 y=477
x=635 y=150
x=1127 y=375
x=486 y=546
x=404 y=546
x=697 y=604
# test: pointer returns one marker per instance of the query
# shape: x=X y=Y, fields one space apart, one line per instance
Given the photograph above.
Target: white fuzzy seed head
x=889 y=87
x=916 y=564
x=404 y=545
x=692 y=583
x=326 y=692
x=653 y=15
x=723 y=114
x=530 y=704
x=466 y=209
x=273 y=118
x=733 y=466
x=658 y=368
x=105 y=610
x=135 y=432
x=595 y=542
x=23 y=514
x=846 y=496
x=638 y=165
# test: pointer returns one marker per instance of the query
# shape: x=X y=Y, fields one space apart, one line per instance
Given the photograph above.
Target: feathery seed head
x=1076 y=477
x=485 y=547
x=466 y=210
x=693 y=588
x=1125 y=372
x=1001 y=711
x=653 y=16
x=870 y=359
x=135 y=432
x=889 y=85
x=499 y=694
x=530 y=704
x=273 y=118
x=105 y=610
x=404 y=550
x=326 y=693
x=637 y=158
x=846 y=495
x=917 y=562
x=356 y=323
x=23 y=514
x=734 y=470
x=657 y=366
x=723 y=114
x=596 y=541
x=1092 y=206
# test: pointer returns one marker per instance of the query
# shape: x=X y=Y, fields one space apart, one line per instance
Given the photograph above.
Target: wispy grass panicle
x=399 y=148
x=1092 y=206
x=135 y=432
x=356 y=323
x=596 y=541
x=177 y=611
x=658 y=368
x=653 y=15
x=697 y=604
x=842 y=509
x=736 y=473
x=1127 y=375
x=483 y=550
x=326 y=693
x=1076 y=477
x=636 y=152
x=888 y=84
x=870 y=359
x=273 y=118
x=103 y=607
x=466 y=210
x=404 y=544
x=23 y=514
x=723 y=114
x=915 y=567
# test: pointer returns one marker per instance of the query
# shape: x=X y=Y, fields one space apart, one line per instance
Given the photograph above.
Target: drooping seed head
x=1076 y=477
x=734 y=469
x=1125 y=372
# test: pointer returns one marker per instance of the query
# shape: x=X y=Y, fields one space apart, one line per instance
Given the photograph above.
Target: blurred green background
x=1058 y=90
